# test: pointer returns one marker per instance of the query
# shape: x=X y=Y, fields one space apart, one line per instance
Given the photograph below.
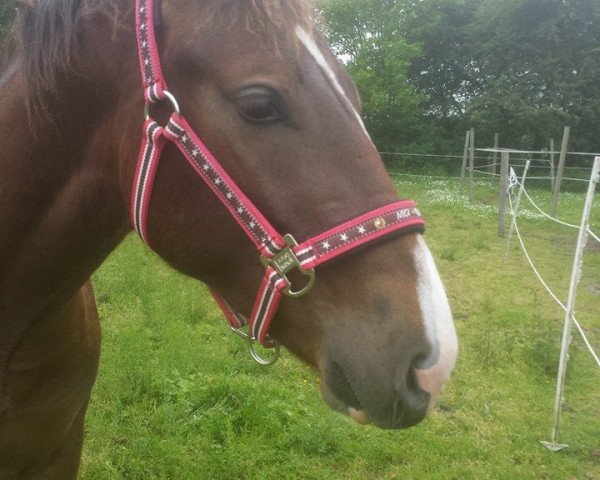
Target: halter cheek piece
x=279 y=254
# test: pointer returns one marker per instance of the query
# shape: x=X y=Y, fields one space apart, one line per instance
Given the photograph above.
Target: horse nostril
x=427 y=357
x=412 y=402
x=420 y=395
x=422 y=361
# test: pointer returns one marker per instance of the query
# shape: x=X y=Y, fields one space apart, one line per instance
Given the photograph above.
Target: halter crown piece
x=279 y=254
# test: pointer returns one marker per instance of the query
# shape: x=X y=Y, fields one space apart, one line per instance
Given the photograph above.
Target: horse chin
x=334 y=403
x=340 y=396
x=357 y=414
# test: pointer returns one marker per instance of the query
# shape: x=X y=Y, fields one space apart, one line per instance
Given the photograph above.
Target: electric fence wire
x=556 y=220
x=583 y=180
x=537 y=273
x=486 y=166
x=444 y=177
x=518 y=233
x=475 y=170
x=479 y=157
x=430 y=155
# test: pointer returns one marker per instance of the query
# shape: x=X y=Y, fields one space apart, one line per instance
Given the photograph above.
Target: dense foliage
x=522 y=68
x=429 y=69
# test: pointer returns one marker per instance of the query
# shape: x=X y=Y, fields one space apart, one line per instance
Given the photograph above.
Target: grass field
x=178 y=397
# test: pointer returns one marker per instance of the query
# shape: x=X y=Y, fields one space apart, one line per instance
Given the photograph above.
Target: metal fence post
x=471 y=164
x=465 y=154
x=494 y=169
x=552 y=178
x=566 y=336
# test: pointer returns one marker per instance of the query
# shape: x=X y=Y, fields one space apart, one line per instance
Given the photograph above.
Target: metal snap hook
x=261 y=360
x=255 y=355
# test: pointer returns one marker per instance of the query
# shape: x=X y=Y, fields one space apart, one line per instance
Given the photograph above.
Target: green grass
x=178 y=397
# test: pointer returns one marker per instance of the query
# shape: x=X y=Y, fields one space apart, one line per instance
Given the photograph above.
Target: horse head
x=259 y=85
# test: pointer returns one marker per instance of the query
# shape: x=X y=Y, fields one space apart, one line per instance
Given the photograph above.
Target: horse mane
x=44 y=35
x=43 y=38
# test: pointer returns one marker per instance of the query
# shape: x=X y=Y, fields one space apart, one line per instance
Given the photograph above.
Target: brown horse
x=258 y=83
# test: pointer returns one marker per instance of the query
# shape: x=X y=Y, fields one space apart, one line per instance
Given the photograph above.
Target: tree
x=369 y=35
x=522 y=68
x=444 y=71
x=429 y=69
x=539 y=62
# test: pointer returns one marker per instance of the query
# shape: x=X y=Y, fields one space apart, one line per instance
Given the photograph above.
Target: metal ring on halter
x=251 y=341
x=169 y=96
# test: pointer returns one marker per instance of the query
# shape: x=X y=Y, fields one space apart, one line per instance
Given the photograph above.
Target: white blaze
x=437 y=319
x=433 y=302
x=330 y=75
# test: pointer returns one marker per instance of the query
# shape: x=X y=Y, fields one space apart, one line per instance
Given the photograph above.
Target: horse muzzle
x=400 y=404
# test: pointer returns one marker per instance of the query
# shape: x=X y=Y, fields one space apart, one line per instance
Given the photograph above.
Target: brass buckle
x=284 y=262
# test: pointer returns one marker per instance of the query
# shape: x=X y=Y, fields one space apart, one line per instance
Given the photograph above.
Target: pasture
x=178 y=397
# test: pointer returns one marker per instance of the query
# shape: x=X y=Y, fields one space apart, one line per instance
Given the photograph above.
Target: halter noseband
x=279 y=254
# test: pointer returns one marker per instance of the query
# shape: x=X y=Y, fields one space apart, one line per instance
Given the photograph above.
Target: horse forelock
x=44 y=35
x=273 y=22
x=261 y=15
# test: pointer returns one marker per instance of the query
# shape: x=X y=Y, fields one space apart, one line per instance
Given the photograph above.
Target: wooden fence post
x=504 y=161
x=471 y=164
x=465 y=153
x=494 y=168
x=559 y=173
x=552 y=178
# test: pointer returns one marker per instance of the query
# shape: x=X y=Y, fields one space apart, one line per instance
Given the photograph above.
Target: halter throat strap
x=280 y=254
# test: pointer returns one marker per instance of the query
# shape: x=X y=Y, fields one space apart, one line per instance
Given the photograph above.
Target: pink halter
x=279 y=254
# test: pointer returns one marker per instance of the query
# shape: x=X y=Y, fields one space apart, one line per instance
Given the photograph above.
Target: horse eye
x=258 y=105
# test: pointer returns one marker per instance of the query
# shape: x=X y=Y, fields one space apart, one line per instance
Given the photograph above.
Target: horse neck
x=61 y=209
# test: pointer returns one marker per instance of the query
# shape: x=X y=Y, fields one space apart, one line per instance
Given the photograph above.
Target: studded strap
x=356 y=232
x=152 y=76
